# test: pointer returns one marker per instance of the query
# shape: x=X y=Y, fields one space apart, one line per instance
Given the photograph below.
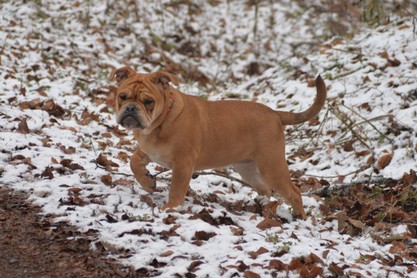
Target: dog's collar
x=170 y=102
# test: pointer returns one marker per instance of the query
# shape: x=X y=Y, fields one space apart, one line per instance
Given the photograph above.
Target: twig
x=348 y=72
x=335 y=177
x=320 y=129
x=325 y=191
x=366 y=120
x=111 y=172
x=349 y=124
x=222 y=175
x=196 y=174
x=92 y=146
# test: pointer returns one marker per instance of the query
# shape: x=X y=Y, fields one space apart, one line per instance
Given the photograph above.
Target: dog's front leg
x=181 y=176
x=138 y=163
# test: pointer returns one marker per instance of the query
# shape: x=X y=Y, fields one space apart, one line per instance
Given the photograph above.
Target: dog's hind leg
x=250 y=174
x=274 y=170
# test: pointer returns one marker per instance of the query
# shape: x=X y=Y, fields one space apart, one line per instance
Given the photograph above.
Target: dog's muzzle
x=130 y=117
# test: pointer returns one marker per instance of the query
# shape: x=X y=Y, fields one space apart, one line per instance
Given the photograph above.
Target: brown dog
x=186 y=134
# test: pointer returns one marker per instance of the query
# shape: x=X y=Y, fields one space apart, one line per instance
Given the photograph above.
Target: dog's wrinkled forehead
x=136 y=81
x=126 y=76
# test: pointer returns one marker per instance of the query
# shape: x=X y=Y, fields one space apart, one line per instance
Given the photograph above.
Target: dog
x=186 y=134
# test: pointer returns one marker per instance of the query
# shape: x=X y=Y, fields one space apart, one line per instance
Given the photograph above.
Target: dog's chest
x=156 y=155
x=161 y=161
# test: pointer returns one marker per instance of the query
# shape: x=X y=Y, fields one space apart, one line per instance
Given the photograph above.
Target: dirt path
x=30 y=246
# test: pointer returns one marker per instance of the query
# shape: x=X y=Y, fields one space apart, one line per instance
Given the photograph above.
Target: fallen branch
x=112 y=172
x=196 y=174
x=201 y=173
x=327 y=190
x=361 y=169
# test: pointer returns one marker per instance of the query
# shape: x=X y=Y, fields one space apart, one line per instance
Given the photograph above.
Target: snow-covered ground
x=60 y=143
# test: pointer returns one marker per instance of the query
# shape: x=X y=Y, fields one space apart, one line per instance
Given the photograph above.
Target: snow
x=73 y=61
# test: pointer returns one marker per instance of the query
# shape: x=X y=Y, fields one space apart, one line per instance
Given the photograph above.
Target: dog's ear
x=163 y=78
x=122 y=74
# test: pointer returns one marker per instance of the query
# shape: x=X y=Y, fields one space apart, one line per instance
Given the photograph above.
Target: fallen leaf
x=147 y=200
x=362 y=153
x=205 y=216
x=169 y=220
x=384 y=161
x=47 y=173
x=311 y=271
x=336 y=270
x=73 y=166
x=394 y=62
x=409 y=178
x=268 y=223
x=69 y=150
x=166 y=234
x=356 y=223
x=32 y=104
x=110 y=219
x=124 y=182
x=240 y=266
x=348 y=146
x=237 y=231
x=194 y=266
x=325 y=253
x=23 y=126
x=269 y=210
x=107 y=180
x=167 y=253
x=46 y=142
x=384 y=54
x=260 y=251
x=277 y=264
x=123 y=156
x=75 y=190
x=103 y=161
x=250 y=274
x=295 y=264
x=315 y=259
x=53 y=109
x=156 y=264
x=311 y=83
x=202 y=235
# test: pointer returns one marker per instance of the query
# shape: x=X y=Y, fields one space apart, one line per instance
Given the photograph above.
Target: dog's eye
x=148 y=102
x=122 y=96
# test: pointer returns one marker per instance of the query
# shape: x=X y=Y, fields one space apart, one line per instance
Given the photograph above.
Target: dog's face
x=141 y=98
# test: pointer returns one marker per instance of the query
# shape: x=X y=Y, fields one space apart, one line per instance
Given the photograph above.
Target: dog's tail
x=290 y=118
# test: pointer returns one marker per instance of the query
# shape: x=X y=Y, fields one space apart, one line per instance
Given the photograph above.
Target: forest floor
x=69 y=205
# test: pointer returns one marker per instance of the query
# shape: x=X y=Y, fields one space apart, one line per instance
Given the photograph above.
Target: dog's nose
x=130 y=108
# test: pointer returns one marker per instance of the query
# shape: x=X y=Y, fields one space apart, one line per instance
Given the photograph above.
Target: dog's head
x=141 y=98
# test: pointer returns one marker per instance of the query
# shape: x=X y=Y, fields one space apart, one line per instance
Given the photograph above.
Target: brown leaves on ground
x=23 y=126
x=203 y=235
x=378 y=209
x=102 y=160
x=49 y=106
x=384 y=160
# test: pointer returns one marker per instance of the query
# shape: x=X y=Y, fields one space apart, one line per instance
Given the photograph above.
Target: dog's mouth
x=130 y=122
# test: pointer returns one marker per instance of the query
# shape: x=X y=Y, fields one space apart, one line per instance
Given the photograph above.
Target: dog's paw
x=168 y=208
x=170 y=205
x=148 y=183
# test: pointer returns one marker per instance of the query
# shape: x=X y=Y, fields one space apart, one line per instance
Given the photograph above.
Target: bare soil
x=32 y=246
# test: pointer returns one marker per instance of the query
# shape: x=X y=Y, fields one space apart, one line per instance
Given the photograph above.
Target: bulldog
x=186 y=134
